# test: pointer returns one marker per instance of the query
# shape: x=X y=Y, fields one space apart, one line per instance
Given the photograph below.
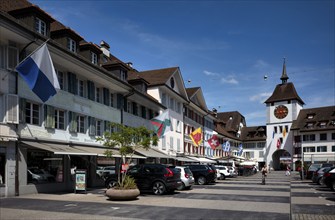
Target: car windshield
x=188 y=171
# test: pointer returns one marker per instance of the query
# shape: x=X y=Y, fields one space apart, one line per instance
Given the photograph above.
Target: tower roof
x=284 y=77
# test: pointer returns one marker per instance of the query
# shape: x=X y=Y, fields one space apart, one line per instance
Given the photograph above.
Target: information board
x=80 y=180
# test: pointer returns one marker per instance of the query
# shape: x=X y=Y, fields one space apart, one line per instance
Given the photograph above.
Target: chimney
x=130 y=64
x=105 y=48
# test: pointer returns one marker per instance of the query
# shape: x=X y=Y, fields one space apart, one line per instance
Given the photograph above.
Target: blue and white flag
x=240 y=150
x=226 y=146
x=39 y=73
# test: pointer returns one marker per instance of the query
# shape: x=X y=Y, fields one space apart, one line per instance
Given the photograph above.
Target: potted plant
x=127 y=140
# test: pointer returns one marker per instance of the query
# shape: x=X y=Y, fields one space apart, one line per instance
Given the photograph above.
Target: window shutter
x=73 y=122
x=91 y=130
x=73 y=84
x=90 y=90
x=22 y=108
x=49 y=116
x=119 y=101
x=12 y=114
x=106 y=97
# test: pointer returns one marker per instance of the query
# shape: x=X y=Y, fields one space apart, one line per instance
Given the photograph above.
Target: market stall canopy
x=202 y=159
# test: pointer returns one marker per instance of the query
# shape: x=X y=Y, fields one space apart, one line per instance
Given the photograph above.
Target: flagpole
x=32 y=52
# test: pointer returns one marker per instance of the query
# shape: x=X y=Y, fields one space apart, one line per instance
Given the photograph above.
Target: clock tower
x=282 y=108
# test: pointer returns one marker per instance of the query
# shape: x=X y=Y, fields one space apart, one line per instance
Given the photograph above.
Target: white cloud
x=261 y=64
x=208 y=73
x=229 y=80
x=261 y=97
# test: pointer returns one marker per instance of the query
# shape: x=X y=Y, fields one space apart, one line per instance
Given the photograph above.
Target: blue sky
x=225 y=47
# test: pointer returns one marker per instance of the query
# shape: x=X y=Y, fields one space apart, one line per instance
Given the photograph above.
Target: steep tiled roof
x=284 y=92
x=232 y=120
x=191 y=91
x=315 y=119
x=159 y=76
x=59 y=27
x=256 y=133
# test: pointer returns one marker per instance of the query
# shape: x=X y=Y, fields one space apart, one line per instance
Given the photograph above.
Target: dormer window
x=310 y=125
x=323 y=124
x=40 y=26
x=310 y=116
x=172 y=82
x=71 y=45
x=123 y=75
x=94 y=58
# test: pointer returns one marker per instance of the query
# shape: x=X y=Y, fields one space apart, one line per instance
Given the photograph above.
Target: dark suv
x=203 y=174
x=157 y=178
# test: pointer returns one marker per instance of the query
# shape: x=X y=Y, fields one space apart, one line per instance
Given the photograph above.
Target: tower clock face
x=281 y=111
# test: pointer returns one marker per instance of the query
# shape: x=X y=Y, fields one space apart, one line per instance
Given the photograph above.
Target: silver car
x=186 y=177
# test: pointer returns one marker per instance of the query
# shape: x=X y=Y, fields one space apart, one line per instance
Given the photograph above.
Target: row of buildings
x=98 y=88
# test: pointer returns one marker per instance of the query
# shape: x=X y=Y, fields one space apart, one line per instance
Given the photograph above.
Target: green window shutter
x=22 y=107
x=120 y=101
x=91 y=130
x=72 y=122
x=49 y=116
x=106 y=98
x=90 y=90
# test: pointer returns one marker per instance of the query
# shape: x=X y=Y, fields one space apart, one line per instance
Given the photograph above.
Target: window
x=178 y=144
x=276 y=130
x=135 y=110
x=323 y=124
x=13 y=57
x=98 y=130
x=81 y=124
x=32 y=112
x=333 y=148
x=333 y=136
x=72 y=83
x=143 y=112
x=308 y=137
x=309 y=149
x=178 y=108
x=323 y=137
x=97 y=94
x=171 y=103
x=40 y=26
x=60 y=76
x=321 y=149
x=178 y=126
x=164 y=99
x=81 y=88
x=90 y=90
x=261 y=153
x=123 y=75
x=71 y=45
x=171 y=142
x=94 y=58
x=310 y=116
x=59 y=119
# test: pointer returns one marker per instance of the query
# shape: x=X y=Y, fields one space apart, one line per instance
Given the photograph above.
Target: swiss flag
x=213 y=142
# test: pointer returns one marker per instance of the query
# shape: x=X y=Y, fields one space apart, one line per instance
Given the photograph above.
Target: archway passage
x=281 y=159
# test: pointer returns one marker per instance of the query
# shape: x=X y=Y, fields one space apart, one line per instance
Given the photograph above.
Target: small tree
x=127 y=140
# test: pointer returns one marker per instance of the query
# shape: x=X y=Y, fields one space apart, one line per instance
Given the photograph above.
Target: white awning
x=184 y=159
x=202 y=159
x=151 y=153
x=75 y=149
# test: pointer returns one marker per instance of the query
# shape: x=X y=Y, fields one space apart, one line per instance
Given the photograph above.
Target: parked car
x=203 y=174
x=156 y=178
x=328 y=178
x=107 y=170
x=314 y=167
x=224 y=170
x=318 y=174
x=186 y=177
x=216 y=170
x=36 y=175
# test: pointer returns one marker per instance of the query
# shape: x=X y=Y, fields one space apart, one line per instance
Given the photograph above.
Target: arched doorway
x=281 y=159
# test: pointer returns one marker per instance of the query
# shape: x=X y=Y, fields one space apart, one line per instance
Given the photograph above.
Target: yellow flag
x=284 y=132
x=196 y=136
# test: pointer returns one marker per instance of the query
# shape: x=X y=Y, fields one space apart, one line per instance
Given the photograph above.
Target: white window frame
x=97 y=94
x=94 y=58
x=81 y=124
x=71 y=45
x=81 y=88
x=41 y=26
x=32 y=113
x=98 y=128
x=59 y=120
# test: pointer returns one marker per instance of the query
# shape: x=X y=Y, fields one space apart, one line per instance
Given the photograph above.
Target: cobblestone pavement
x=283 y=197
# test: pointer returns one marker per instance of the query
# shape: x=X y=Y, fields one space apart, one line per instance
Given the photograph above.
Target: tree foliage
x=127 y=140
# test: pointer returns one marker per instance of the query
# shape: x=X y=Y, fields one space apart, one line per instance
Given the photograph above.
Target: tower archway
x=281 y=159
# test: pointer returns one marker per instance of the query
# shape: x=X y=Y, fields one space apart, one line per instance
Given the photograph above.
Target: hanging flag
x=284 y=132
x=240 y=150
x=213 y=142
x=162 y=123
x=278 y=144
x=196 y=136
x=39 y=73
x=273 y=134
x=226 y=146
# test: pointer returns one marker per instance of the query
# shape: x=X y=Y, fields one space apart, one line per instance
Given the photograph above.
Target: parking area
x=283 y=197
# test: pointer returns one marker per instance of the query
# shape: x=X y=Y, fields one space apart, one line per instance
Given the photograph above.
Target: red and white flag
x=213 y=142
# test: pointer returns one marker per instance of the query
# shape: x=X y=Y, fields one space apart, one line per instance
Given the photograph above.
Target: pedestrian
x=264 y=173
x=288 y=169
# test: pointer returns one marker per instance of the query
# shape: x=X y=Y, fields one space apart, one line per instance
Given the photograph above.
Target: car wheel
x=111 y=184
x=182 y=186
x=201 y=180
x=158 y=188
x=223 y=177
